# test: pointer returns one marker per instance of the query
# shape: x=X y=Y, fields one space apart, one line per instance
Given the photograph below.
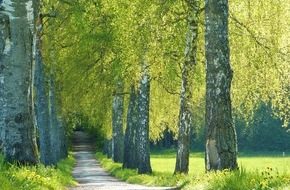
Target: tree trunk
x=117 y=124
x=130 y=149
x=144 y=166
x=41 y=108
x=106 y=146
x=19 y=129
x=221 y=140
x=62 y=139
x=185 y=111
x=109 y=155
x=55 y=132
x=4 y=37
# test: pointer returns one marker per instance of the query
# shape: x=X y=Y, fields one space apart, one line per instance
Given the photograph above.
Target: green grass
x=249 y=161
x=257 y=171
x=14 y=177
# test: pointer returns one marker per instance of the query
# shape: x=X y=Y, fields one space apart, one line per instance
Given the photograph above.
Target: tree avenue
x=138 y=73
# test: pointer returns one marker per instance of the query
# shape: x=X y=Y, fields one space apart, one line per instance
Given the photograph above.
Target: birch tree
x=144 y=166
x=55 y=130
x=221 y=140
x=117 y=124
x=4 y=37
x=185 y=110
x=130 y=140
x=19 y=129
x=41 y=108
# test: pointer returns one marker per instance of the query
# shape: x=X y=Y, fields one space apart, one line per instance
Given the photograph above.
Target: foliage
x=106 y=43
x=95 y=44
x=253 y=174
x=100 y=43
x=263 y=132
x=260 y=56
x=36 y=177
x=84 y=38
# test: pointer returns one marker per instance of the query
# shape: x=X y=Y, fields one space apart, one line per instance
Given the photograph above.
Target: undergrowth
x=38 y=177
x=266 y=179
x=259 y=180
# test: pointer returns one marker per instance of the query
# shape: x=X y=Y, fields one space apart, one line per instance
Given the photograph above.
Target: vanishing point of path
x=89 y=173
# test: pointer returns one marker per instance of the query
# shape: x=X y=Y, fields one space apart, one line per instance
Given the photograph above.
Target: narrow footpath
x=89 y=173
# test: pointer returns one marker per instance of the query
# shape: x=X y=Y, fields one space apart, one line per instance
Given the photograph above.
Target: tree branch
x=254 y=37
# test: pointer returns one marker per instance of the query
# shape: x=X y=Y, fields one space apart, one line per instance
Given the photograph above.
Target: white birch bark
x=144 y=165
x=221 y=140
x=19 y=143
x=185 y=110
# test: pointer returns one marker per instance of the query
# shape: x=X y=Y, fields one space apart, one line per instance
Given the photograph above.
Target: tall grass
x=260 y=171
x=13 y=177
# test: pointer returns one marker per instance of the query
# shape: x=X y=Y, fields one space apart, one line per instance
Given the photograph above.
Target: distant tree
x=263 y=132
x=62 y=139
x=109 y=155
x=130 y=140
x=221 y=140
x=19 y=143
x=41 y=101
x=117 y=124
x=106 y=146
x=54 y=127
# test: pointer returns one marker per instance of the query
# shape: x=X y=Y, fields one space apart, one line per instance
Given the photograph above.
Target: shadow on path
x=88 y=171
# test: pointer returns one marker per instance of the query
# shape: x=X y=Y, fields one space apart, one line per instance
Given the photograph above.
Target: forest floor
x=88 y=172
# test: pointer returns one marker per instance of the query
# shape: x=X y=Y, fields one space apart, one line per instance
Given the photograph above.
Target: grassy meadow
x=13 y=177
x=165 y=161
x=258 y=170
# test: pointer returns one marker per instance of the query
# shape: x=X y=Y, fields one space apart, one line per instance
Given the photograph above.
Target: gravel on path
x=89 y=173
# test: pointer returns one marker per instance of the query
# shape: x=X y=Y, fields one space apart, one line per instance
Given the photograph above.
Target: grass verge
x=260 y=178
x=36 y=177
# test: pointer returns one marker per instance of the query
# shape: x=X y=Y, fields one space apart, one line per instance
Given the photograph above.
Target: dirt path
x=89 y=173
